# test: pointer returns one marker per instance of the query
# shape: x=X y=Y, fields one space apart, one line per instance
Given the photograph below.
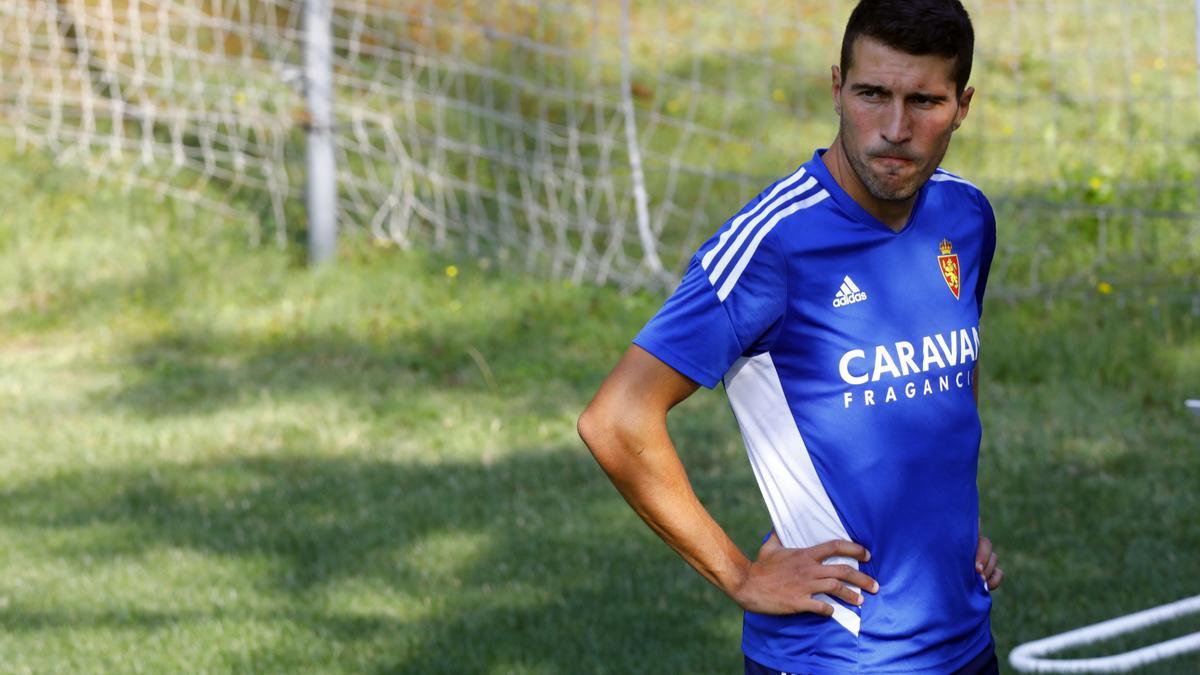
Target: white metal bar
x=640 y=198
x=1026 y=658
x=322 y=171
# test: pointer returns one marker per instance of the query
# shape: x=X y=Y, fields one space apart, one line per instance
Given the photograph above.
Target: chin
x=897 y=194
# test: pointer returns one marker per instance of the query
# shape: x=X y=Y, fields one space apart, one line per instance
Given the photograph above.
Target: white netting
x=520 y=130
x=173 y=95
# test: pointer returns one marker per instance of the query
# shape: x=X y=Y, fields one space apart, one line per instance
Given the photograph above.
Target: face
x=897 y=113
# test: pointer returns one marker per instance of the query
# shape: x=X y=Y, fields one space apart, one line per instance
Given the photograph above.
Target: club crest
x=948 y=262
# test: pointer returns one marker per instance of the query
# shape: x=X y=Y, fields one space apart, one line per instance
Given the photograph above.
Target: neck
x=894 y=214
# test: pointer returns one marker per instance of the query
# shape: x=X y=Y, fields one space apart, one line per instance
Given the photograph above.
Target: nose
x=897 y=125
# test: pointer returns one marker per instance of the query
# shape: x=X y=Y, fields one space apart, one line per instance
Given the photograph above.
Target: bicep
x=629 y=413
x=642 y=383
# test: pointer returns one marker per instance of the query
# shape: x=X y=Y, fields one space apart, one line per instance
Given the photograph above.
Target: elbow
x=591 y=426
x=604 y=435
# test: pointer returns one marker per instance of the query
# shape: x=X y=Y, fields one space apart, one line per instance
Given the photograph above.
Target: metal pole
x=1028 y=658
x=640 y=199
x=321 y=194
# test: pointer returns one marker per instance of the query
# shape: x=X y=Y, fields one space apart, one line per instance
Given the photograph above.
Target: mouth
x=893 y=160
x=891 y=165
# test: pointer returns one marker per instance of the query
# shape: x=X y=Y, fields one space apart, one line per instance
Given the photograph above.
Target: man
x=841 y=310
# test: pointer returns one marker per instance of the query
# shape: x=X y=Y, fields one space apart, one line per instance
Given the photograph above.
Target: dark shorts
x=984 y=664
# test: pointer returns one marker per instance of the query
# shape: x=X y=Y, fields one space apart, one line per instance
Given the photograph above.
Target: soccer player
x=841 y=310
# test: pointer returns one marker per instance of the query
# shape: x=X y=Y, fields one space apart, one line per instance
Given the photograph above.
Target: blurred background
x=219 y=456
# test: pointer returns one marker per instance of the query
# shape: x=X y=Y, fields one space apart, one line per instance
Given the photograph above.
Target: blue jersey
x=847 y=352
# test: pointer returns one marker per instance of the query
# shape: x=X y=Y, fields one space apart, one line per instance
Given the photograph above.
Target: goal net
x=603 y=141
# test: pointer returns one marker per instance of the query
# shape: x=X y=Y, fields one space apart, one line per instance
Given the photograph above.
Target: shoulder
x=944 y=180
x=759 y=221
x=955 y=192
x=954 y=184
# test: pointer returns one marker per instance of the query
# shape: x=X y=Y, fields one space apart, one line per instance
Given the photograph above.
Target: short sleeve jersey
x=847 y=352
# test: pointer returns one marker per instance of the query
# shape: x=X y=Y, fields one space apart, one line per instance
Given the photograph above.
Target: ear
x=964 y=106
x=836 y=89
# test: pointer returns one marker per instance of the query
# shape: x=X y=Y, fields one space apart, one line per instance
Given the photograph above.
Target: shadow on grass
x=546 y=348
x=24 y=620
x=188 y=374
x=555 y=572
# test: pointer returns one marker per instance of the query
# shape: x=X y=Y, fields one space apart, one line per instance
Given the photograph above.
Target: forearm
x=646 y=470
x=625 y=427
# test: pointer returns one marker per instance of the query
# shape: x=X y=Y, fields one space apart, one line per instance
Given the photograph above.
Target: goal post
x=321 y=178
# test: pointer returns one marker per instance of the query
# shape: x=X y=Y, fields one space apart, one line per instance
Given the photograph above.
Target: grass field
x=215 y=459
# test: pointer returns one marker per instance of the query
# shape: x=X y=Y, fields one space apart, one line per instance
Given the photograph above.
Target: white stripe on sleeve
x=763 y=206
x=736 y=274
x=733 y=248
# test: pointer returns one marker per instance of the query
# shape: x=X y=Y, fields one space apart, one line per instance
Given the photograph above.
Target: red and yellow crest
x=948 y=262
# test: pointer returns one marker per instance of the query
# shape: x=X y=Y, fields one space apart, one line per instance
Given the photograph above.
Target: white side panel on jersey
x=800 y=507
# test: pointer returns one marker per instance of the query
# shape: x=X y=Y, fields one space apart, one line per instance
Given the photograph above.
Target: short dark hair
x=916 y=27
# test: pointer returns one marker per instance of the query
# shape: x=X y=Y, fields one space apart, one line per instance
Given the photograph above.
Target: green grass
x=217 y=460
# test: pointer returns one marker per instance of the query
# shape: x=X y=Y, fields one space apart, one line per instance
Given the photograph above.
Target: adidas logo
x=848 y=294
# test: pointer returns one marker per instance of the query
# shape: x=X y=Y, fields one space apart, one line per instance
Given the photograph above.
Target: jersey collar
x=817 y=168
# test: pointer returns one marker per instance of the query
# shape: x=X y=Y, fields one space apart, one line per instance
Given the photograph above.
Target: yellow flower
x=1104 y=287
x=779 y=95
x=452 y=271
x=1096 y=182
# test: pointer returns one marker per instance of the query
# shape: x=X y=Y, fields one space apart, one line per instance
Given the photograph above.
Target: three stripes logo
x=727 y=260
x=848 y=294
